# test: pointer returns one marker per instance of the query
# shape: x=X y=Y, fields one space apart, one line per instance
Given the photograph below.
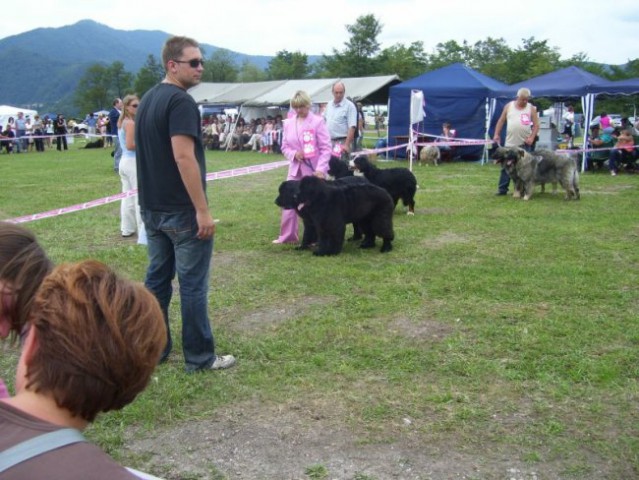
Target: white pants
x=130 y=219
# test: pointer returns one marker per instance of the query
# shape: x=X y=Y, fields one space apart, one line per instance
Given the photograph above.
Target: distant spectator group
x=222 y=132
x=615 y=147
x=26 y=134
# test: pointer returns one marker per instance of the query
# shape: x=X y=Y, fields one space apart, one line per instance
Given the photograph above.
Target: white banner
x=417 y=104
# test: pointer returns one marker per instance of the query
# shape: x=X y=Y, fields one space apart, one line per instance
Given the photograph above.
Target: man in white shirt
x=341 y=120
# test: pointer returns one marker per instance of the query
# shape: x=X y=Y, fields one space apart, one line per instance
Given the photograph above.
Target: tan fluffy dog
x=429 y=155
x=538 y=168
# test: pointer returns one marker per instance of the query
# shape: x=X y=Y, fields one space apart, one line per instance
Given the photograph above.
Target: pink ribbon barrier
x=370 y=151
x=236 y=172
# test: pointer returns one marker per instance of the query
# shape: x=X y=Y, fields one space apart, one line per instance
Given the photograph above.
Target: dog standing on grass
x=429 y=155
x=398 y=182
x=538 y=168
x=331 y=205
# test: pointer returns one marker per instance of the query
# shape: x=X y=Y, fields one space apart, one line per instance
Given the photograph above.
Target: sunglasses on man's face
x=194 y=63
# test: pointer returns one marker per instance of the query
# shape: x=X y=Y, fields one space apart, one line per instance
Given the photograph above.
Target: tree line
x=361 y=56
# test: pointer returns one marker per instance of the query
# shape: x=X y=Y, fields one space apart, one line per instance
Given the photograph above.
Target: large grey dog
x=538 y=168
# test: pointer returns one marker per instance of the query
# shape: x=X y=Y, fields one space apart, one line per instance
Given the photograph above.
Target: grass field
x=498 y=331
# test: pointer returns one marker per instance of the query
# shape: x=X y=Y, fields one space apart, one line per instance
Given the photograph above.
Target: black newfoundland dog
x=288 y=198
x=398 y=182
x=337 y=168
x=331 y=205
x=97 y=143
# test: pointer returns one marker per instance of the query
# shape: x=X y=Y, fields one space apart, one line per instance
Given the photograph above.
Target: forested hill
x=41 y=68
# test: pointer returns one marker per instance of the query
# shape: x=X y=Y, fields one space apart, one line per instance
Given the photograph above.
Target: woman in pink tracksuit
x=307 y=145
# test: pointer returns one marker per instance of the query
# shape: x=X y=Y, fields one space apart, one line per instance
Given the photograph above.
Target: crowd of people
x=25 y=134
x=223 y=132
x=613 y=146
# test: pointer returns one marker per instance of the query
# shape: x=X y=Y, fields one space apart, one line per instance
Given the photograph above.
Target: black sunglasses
x=196 y=62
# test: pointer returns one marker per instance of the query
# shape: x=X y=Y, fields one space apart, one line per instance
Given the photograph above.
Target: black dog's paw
x=367 y=244
x=387 y=247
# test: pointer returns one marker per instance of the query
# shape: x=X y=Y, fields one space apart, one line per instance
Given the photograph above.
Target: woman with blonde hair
x=130 y=219
x=307 y=145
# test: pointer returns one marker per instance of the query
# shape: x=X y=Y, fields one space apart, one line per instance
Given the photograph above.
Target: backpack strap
x=38 y=445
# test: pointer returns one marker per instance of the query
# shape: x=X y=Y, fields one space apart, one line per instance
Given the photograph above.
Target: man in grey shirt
x=341 y=120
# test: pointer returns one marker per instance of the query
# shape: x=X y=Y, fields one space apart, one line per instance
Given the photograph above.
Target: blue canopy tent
x=566 y=83
x=629 y=86
x=456 y=94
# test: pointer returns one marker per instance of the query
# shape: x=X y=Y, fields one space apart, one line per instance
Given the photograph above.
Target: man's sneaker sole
x=223 y=361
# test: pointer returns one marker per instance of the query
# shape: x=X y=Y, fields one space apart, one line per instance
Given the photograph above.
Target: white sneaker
x=223 y=361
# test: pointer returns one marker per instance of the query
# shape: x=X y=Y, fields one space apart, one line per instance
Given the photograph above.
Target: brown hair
x=98 y=338
x=174 y=47
x=23 y=266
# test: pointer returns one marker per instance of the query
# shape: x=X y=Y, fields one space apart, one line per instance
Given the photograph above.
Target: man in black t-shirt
x=172 y=195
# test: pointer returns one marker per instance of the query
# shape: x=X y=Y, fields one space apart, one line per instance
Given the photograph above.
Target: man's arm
x=535 y=129
x=352 y=125
x=500 y=124
x=184 y=153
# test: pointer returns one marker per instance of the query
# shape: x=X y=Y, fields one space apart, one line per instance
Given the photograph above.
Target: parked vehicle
x=615 y=119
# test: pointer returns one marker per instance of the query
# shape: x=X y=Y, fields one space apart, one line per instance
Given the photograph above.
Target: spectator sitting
x=624 y=152
x=255 y=141
x=278 y=130
x=7 y=135
x=90 y=345
x=267 y=136
x=211 y=138
x=446 y=136
x=599 y=141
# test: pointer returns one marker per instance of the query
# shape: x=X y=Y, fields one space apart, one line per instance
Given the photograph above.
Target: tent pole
x=232 y=131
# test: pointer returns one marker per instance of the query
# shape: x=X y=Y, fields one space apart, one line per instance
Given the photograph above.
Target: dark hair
x=98 y=339
x=174 y=47
x=23 y=266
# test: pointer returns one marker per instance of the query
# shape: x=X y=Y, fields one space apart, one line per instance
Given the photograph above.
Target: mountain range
x=42 y=67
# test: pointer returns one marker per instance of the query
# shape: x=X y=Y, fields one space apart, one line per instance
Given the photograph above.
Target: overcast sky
x=607 y=31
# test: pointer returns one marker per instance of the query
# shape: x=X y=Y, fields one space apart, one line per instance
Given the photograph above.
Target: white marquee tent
x=7 y=111
x=254 y=98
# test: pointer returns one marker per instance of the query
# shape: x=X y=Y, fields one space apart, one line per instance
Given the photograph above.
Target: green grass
x=494 y=322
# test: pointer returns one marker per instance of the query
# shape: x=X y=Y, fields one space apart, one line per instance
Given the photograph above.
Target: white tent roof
x=7 y=111
x=279 y=92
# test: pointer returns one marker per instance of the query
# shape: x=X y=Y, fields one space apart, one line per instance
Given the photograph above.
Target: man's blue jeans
x=173 y=247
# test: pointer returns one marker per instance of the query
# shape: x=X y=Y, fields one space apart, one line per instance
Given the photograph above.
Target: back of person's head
x=174 y=47
x=98 y=338
x=23 y=266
